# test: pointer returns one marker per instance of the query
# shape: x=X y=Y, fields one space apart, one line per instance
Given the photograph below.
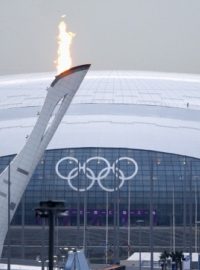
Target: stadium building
x=125 y=159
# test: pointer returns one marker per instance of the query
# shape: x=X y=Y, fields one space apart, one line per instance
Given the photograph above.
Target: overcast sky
x=157 y=35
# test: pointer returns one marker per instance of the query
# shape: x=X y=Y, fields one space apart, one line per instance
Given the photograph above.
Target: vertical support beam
x=51 y=238
x=106 y=227
x=184 y=208
x=9 y=193
x=140 y=246
x=190 y=211
x=85 y=220
x=151 y=214
x=50 y=209
x=129 y=219
x=78 y=211
x=195 y=220
x=173 y=221
x=43 y=220
x=116 y=220
x=84 y=226
x=43 y=243
x=23 y=227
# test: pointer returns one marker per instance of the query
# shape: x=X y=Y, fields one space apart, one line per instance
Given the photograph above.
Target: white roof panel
x=142 y=110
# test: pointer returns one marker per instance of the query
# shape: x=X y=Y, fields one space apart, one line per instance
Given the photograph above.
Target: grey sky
x=158 y=35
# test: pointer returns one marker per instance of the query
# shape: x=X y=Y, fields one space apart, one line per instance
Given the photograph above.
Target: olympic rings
x=86 y=169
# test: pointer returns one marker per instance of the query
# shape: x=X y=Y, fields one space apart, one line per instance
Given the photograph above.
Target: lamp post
x=197 y=222
x=139 y=222
x=49 y=209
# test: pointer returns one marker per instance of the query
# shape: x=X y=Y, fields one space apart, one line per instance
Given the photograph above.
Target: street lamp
x=49 y=209
x=139 y=222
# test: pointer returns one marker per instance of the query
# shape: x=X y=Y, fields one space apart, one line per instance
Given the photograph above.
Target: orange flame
x=64 y=60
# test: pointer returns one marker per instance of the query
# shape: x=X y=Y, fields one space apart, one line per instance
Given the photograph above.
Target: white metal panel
x=134 y=105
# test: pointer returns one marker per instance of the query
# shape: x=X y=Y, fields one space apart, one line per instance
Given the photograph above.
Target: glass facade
x=115 y=188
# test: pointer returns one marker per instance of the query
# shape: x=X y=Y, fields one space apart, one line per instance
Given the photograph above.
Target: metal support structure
x=8 y=234
x=196 y=216
x=59 y=96
x=23 y=227
x=116 y=221
x=78 y=213
x=129 y=219
x=151 y=216
x=197 y=232
x=43 y=163
x=139 y=222
x=43 y=245
x=106 y=228
x=190 y=211
x=118 y=225
x=184 y=208
x=85 y=223
x=51 y=238
x=173 y=222
x=50 y=209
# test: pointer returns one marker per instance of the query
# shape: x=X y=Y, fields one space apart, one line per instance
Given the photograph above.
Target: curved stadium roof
x=141 y=110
